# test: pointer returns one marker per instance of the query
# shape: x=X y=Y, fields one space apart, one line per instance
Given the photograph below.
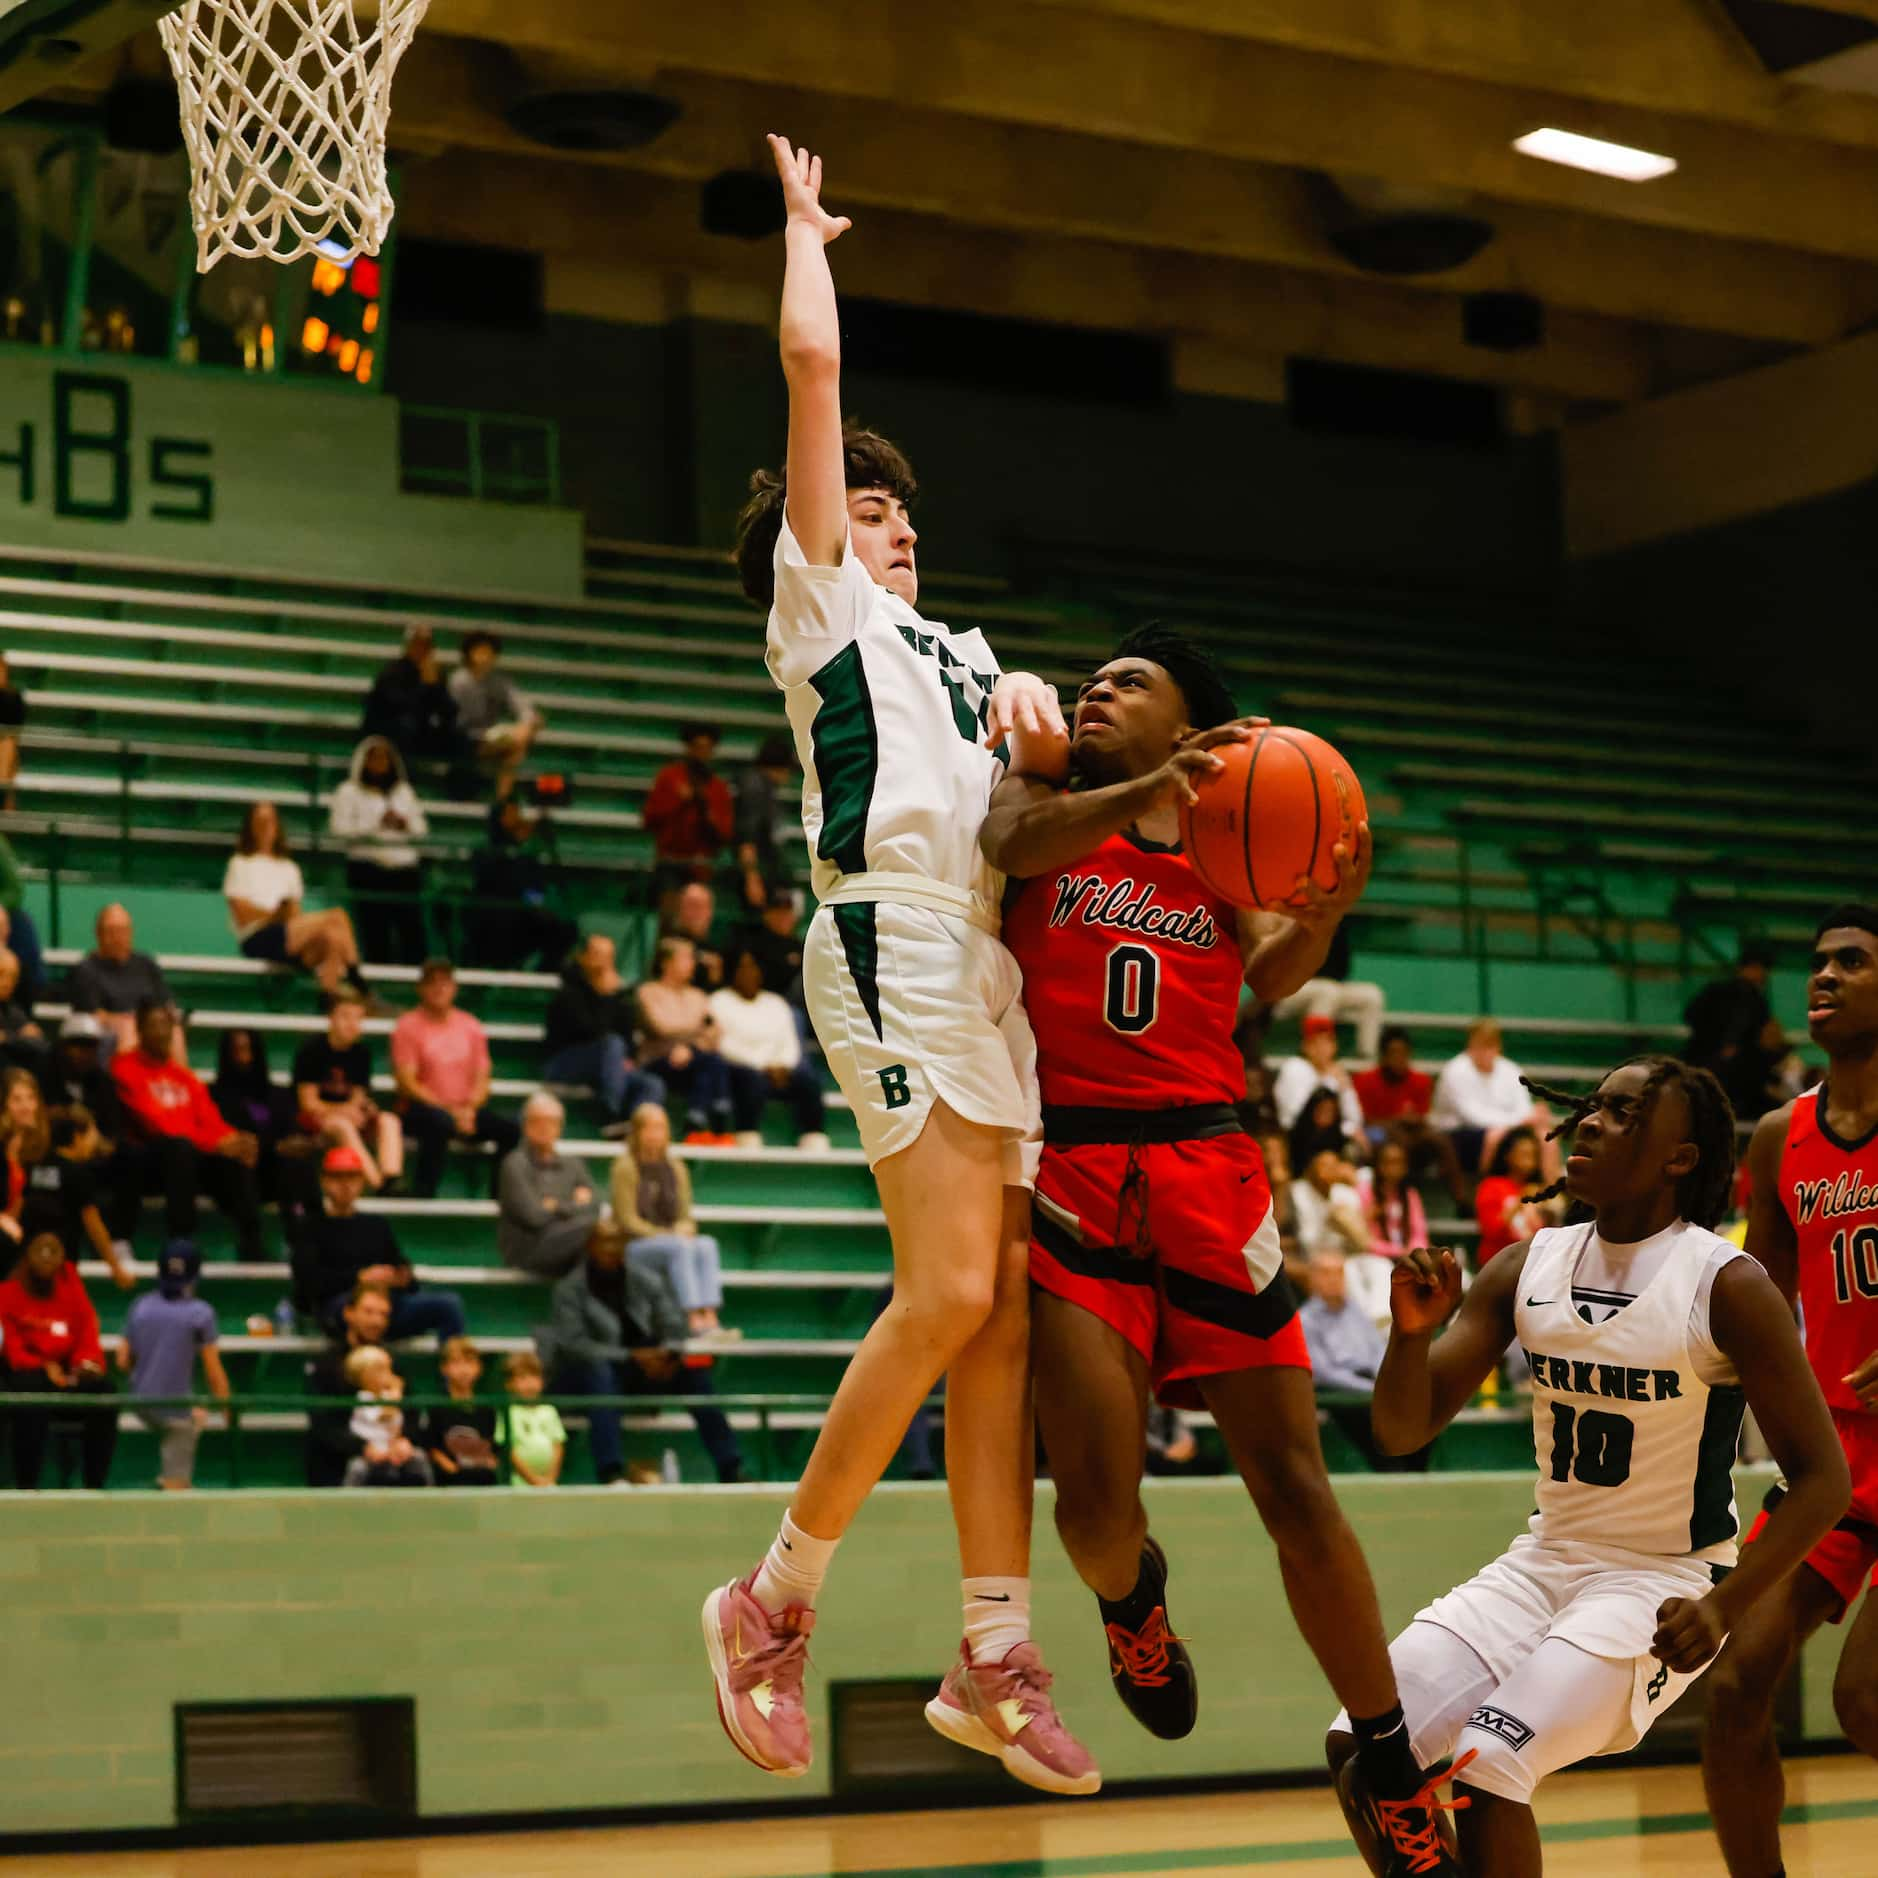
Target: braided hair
x=1193 y=668
x=1704 y=1193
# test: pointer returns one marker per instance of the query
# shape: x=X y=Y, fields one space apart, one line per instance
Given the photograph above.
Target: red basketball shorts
x=1847 y=1558
x=1172 y=1244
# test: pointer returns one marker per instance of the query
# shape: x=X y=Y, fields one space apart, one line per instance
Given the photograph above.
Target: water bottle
x=668 y=1468
x=285 y=1323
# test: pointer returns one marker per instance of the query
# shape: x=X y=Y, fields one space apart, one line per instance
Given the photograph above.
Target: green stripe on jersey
x=847 y=758
x=860 y=945
x=1711 y=1517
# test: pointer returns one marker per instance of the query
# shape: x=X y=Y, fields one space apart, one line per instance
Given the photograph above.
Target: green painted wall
x=119 y=456
x=551 y=1640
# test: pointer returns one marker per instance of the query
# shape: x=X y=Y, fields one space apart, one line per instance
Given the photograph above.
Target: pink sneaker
x=1005 y=1709
x=757 y=1662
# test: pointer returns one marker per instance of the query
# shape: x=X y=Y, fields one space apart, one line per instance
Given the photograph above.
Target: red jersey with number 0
x=1830 y=1190
x=1131 y=979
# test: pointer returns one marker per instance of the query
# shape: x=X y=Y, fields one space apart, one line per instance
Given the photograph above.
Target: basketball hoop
x=284 y=108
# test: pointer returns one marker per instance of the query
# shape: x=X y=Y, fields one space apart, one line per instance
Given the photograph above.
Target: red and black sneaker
x=1411 y=1838
x=1152 y=1670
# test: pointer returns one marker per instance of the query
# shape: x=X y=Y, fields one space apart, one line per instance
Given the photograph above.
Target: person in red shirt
x=1504 y=1207
x=51 y=1346
x=184 y=1145
x=689 y=814
x=1396 y=1098
x=1813 y=1223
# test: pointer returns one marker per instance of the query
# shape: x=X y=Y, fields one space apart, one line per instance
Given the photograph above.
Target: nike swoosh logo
x=994 y=1597
x=1537 y=1304
x=786 y=1546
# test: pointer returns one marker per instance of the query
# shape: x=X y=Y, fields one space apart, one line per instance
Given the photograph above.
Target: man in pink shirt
x=440 y=1056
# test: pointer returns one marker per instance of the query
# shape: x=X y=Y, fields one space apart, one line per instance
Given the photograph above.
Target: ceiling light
x=1593 y=153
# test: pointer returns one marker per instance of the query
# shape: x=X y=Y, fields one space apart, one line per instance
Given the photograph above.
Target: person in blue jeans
x=590 y=1031
x=618 y=1331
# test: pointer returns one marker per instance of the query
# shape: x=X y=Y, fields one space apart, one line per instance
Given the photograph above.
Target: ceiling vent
x=593 y=121
x=1389 y=228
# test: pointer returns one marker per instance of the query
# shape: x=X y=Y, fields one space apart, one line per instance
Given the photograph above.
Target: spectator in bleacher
x=165 y=1332
x=1328 y=1206
x=76 y=1079
x=251 y=1100
x=17 y=931
x=1396 y=1098
x=1392 y=1209
x=511 y=924
x=332 y=1080
x=591 y=1023
x=184 y=1147
x=113 y=982
x=1504 y=1207
x=778 y=945
x=266 y=894
x=547 y=1201
x=1319 y=1126
x=64 y=1194
x=1334 y=994
x=1315 y=1067
x=387 y=1456
x=49 y=1345
x=12 y=722
x=1479 y=1096
x=376 y=816
x=651 y=1195
x=22 y=1042
x=1728 y=1023
x=617 y=1329
x=756 y=1033
x=689 y=814
x=1346 y=1349
x=410 y=704
x=692 y=916
x=330 y=1443
x=680 y=1042
x=500 y=723
x=459 y=1436
x=762 y=822
x=1258 y=1112
x=440 y=1057
x=25 y=1143
x=533 y=1429
x=339 y=1248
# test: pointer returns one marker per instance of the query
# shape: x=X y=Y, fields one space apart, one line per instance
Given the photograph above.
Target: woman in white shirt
x=264 y=891
x=757 y=1037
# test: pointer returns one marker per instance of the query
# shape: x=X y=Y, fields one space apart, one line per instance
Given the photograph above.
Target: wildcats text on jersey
x=1835 y=1198
x=1127 y=906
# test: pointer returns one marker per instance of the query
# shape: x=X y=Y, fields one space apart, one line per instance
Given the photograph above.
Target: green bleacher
x=1569 y=867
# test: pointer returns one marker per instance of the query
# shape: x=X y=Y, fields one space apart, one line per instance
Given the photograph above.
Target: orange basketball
x=1275 y=812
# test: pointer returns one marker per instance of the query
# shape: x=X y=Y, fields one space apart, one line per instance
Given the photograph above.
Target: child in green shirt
x=536 y=1437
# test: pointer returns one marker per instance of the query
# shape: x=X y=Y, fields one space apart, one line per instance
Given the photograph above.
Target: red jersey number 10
x=1855 y=1263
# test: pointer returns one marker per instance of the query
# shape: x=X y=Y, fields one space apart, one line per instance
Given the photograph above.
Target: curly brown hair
x=872 y=463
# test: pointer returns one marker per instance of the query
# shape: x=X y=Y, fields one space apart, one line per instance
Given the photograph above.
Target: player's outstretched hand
x=1688 y=1633
x=1022 y=702
x=1238 y=731
x=802 y=189
x=1181 y=771
x=1863 y=1383
x=1424 y=1290
x=1312 y=906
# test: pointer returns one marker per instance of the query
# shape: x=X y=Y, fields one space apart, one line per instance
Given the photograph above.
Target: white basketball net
x=284 y=107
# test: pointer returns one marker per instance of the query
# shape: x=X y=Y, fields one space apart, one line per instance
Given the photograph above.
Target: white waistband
x=916 y=890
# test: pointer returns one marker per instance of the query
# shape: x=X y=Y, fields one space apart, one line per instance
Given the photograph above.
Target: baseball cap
x=342 y=1161
x=82 y=1026
x=1318 y=1025
x=179 y=1267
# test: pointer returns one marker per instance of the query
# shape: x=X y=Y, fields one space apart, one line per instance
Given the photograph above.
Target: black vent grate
x=319 y=1757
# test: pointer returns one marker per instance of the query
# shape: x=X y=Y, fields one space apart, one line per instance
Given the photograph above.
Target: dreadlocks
x=1190 y=666
x=1703 y=1194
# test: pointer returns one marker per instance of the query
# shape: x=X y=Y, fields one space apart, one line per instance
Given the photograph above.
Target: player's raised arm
x=1033 y=826
x=1770 y=1236
x=1424 y=1382
x=1753 y=1327
x=817 y=504
x=1283 y=951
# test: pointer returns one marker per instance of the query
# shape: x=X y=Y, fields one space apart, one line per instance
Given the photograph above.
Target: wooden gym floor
x=1645 y=1823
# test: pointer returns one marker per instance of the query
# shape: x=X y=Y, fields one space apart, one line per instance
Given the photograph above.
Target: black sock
x=1132 y=1611
x=1388 y=1761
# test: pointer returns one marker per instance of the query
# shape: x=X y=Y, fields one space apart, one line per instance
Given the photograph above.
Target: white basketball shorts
x=914 y=1006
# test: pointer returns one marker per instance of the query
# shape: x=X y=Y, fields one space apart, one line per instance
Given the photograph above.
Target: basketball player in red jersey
x=1154 y=1259
x=1813 y=1222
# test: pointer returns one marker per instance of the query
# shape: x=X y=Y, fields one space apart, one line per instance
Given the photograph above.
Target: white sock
x=793 y=1569
x=997 y=1616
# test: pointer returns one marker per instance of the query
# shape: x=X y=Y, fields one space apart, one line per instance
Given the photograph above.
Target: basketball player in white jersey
x=916 y=1002
x=1646 y=1333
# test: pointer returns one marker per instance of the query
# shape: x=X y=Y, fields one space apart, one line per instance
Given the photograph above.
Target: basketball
x=1275 y=812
